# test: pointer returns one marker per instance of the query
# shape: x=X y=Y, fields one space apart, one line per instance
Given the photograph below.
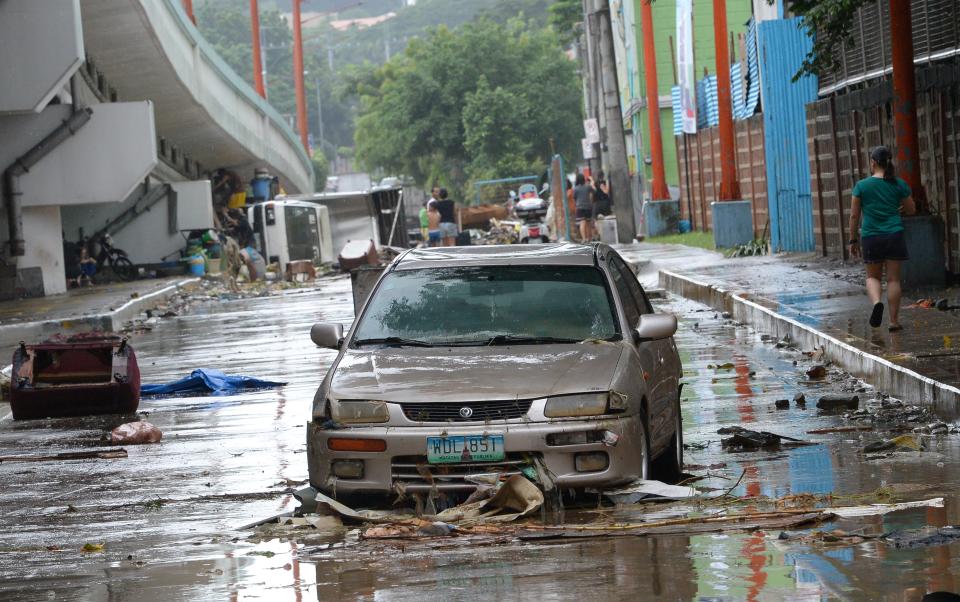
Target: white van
x=288 y=231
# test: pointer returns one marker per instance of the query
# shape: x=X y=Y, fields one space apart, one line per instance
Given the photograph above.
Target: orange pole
x=188 y=8
x=729 y=185
x=298 y=76
x=257 y=64
x=659 y=190
x=905 y=101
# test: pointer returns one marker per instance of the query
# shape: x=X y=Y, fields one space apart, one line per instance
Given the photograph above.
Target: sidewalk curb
x=11 y=334
x=885 y=375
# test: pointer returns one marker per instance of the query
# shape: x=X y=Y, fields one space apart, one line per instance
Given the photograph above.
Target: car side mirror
x=654 y=327
x=327 y=335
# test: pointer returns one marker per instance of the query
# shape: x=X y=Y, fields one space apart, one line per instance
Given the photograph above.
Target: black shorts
x=602 y=208
x=884 y=247
x=584 y=213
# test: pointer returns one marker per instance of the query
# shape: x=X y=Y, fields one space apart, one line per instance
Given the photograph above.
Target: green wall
x=664 y=27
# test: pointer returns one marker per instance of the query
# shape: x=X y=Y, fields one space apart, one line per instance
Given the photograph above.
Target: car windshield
x=489 y=305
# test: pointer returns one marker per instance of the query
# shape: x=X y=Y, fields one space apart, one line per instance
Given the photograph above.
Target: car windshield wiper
x=400 y=341
x=509 y=339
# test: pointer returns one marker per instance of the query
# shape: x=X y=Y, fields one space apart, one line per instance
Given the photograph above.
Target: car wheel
x=669 y=466
x=544 y=239
x=523 y=241
x=644 y=449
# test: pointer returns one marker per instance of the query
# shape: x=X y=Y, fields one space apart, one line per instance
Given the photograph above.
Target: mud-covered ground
x=168 y=516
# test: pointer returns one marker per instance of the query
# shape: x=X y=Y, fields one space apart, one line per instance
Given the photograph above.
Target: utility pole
x=590 y=80
x=298 y=76
x=258 y=73
x=319 y=112
x=729 y=183
x=618 y=174
x=659 y=190
x=905 y=101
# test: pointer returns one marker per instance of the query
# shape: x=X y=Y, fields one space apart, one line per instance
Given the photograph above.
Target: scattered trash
x=782 y=404
x=641 y=490
x=881 y=509
x=135 y=433
x=818 y=371
x=838 y=401
x=923 y=537
x=113 y=454
x=206 y=381
x=922 y=304
x=89 y=548
x=901 y=443
x=800 y=400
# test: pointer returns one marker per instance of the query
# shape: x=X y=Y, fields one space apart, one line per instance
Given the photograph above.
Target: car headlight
x=583 y=404
x=360 y=412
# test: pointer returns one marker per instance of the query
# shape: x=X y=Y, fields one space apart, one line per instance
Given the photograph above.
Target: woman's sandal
x=876 y=317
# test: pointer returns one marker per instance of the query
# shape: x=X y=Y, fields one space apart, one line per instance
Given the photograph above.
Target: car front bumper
x=402 y=466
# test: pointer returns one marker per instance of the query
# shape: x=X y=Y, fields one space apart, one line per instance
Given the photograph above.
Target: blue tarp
x=205 y=381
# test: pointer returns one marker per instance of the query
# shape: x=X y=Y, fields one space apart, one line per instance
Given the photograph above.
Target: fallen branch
x=90 y=455
x=840 y=429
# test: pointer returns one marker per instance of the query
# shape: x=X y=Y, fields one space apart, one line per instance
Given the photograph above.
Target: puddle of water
x=251 y=448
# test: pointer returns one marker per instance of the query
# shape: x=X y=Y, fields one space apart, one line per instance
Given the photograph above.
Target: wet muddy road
x=168 y=515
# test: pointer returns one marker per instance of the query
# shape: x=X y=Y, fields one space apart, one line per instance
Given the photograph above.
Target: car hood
x=474 y=373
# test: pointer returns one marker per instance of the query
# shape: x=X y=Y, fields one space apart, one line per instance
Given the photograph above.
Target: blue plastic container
x=260 y=187
x=197 y=265
x=684 y=226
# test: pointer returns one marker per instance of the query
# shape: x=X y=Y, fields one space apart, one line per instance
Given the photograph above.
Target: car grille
x=480 y=411
x=413 y=473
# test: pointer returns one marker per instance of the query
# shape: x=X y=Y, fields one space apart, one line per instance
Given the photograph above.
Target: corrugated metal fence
x=783 y=46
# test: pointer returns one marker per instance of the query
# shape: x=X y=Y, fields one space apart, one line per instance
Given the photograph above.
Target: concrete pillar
x=905 y=101
x=729 y=183
x=659 y=189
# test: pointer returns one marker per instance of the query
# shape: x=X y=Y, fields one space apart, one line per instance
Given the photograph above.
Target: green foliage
x=564 y=16
x=829 y=24
x=755 y=247
x=703 y=240
x=227 y=27
x=321 y=169
x=484 y=100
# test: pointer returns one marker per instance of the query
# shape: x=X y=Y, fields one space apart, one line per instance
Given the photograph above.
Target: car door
x=658 y=361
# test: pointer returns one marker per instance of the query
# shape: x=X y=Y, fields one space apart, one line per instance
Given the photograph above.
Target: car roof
x=547 y=254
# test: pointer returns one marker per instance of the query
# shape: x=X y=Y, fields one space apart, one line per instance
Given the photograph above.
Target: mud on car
x=464 y=361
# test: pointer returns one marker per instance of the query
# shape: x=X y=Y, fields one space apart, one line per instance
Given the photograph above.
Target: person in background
x=601 y=190
x=88 y=267
x=448 y=220
x=424 y=223
x=880 y=200
x=583 y=198
x=434 y=238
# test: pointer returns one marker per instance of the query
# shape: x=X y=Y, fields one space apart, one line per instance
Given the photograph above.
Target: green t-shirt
x=880 y=201
x=424 y=218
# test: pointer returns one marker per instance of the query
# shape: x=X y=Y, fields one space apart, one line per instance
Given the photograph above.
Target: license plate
x=465 y=448
x=534 y=231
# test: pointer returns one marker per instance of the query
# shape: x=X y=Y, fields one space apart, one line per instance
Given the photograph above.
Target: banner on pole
x=591 y=130
x=587 y=149
x=686 y=71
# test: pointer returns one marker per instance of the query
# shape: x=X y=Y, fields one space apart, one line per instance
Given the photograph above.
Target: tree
x=321 y=169
x=483 y=100
x=227 y=28
x=564 y=16
x=828 y=23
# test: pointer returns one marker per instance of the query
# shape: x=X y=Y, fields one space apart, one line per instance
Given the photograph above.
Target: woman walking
x=584 y=199
x=881 y=199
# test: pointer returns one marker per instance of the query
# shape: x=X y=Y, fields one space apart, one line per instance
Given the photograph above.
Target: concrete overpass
x=163 y=111
x=150 y=50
